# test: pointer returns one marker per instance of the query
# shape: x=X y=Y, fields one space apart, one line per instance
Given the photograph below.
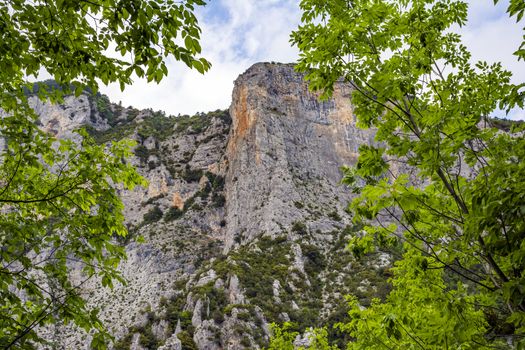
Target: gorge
x=243 y=220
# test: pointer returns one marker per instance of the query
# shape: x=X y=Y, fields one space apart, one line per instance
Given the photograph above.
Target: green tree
x=59 y=204
x=441 y=181
x=283 y=338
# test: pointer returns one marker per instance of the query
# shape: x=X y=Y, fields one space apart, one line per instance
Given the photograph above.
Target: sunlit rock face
x=243 y=218
x=285 y=146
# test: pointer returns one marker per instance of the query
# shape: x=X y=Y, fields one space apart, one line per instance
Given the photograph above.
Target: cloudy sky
x=239 y=33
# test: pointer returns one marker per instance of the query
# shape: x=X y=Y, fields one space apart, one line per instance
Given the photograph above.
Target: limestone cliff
x=243 y=219
x=286 y=147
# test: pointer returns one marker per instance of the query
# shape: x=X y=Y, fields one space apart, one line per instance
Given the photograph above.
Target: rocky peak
x=285 y=149
x=244 y=218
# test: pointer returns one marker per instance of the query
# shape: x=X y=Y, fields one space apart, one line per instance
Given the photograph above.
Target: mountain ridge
x=244 y=219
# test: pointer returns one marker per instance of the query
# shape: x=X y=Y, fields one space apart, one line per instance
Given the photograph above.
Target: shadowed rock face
x=243 y=218
x=285 y=146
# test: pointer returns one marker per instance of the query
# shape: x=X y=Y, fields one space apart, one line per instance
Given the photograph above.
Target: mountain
x=243 y=221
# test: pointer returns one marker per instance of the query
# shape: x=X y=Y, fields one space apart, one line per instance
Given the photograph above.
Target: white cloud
x=239 y=33
x=243 y=33
x=493 y=37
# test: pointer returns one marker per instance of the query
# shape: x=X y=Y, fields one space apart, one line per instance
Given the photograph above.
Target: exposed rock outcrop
x=285 y=150
x=243 y=219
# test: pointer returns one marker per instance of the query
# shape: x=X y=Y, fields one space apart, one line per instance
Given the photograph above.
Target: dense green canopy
x=58 y=199
x=460 y=281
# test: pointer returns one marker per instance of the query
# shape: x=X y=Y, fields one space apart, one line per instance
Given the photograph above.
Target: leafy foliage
x=59 y=201
x=462 y=228
x=283 y=338
x=59 y=208
x=58 y=36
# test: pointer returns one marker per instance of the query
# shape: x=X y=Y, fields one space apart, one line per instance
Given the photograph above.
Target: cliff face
x=286 y=147
x=243 y=218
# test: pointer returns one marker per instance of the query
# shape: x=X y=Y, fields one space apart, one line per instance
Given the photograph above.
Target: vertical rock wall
x=285 y=151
